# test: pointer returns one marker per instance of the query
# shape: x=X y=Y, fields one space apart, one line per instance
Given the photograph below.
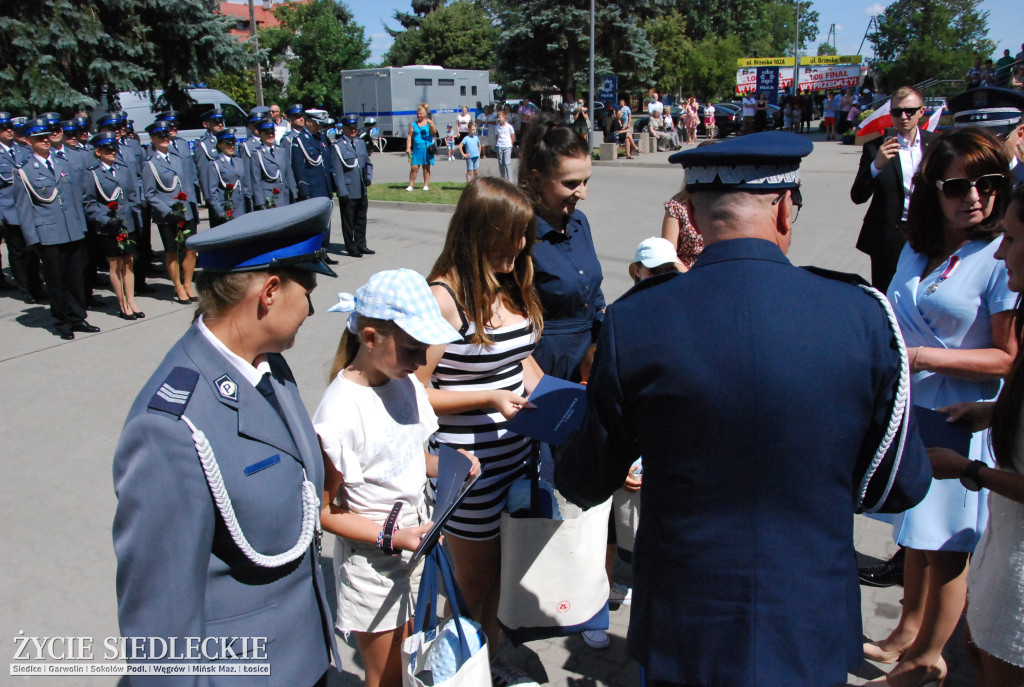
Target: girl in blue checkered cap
x=373 y=421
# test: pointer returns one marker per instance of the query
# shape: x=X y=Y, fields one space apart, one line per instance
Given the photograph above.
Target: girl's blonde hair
x=348 y=347
x=490 y=220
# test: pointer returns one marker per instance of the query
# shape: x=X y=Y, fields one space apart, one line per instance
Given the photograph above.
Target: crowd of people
x=73 y=201
x=449 y=358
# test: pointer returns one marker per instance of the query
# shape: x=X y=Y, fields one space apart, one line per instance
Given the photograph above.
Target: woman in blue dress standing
x=222 y=181
x=422 y=134
x=554 y=170
x=955 y=311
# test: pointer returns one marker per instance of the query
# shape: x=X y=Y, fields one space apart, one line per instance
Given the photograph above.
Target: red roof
x=264 y=18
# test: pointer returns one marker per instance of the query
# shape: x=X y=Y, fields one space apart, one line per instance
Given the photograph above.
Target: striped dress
x=466 y=366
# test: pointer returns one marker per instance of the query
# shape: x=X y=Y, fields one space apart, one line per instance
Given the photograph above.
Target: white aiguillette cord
x=310 y=507
x=900 y=417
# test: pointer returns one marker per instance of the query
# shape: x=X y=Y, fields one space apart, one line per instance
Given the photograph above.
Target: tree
x=765 y=29
x=64 y=54
x=457 y=36
x=316 y=41
x=547 y=43
x=929 y=39
x=826 y=49
x=420 y=9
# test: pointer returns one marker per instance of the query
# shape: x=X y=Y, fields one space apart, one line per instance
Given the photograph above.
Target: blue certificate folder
x=937 y=433
x=560 y=407
x=453 y=483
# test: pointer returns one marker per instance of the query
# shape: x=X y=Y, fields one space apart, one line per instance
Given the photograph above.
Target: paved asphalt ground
x=64 y=404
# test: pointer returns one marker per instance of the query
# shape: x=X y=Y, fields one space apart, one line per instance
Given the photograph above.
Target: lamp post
x=796 y=50
x=593 y=111
x=255 y=53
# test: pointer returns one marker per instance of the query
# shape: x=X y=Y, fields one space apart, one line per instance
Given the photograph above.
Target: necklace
x=496 y=312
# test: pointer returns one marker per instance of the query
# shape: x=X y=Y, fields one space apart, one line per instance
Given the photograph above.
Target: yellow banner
x=832 y=59
x=764 y=62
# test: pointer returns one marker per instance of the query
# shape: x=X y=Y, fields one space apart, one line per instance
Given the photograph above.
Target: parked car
x=640 y=121
x=728 y=118
x=143 y=109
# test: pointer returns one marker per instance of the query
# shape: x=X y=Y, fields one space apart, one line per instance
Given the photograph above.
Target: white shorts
x=376 y=592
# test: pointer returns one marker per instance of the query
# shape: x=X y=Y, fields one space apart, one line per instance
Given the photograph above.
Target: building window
x=474 y=89
x=424 y=82
x=462 y=90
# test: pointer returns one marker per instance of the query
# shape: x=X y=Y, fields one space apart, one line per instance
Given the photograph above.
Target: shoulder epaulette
x=846 y=277
x=95 y=166
x=173 y=395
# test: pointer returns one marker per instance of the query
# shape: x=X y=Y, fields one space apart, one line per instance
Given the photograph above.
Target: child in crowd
x=653 y=256
x=372 y=422
x=470 y=151
x=449 y=139
x=709 y=121
x=829 y=119
x=505 y=138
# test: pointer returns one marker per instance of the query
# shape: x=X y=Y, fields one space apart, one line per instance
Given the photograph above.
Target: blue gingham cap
x=401 y=296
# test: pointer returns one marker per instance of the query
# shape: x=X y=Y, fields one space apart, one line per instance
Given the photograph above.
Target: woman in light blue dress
x=955 y=311
x=422 y=135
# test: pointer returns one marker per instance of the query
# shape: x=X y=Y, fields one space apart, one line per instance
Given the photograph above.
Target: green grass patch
x=444 y=192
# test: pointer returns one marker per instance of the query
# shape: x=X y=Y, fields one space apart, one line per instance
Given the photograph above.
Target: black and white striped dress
x=466 y=366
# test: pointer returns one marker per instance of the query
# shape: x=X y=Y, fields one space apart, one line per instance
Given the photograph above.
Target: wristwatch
x=969 y=478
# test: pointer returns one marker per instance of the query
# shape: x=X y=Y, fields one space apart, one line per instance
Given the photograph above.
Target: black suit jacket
x=881 y=234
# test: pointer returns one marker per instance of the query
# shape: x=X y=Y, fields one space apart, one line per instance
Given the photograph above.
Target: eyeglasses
x=798 y=201
x=987 y=185
x=898 y=112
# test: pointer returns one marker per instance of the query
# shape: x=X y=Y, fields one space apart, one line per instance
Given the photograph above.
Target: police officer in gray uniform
x=310 y=164
x=219 y=475
x=270 y=172
x=206 y=147
x=296 y=115
x=998 y=110
x=48 y=198
x=248 y=145
x=353 y=173
x=24 y=263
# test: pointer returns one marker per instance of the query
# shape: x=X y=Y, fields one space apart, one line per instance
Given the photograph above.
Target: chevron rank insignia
x=173 y=394
x=227 y=388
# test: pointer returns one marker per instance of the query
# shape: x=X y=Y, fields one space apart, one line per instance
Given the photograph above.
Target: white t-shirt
x=463 y=121
x=375 y=436
x=504 y=135
x=749 y=106
x=655 y=106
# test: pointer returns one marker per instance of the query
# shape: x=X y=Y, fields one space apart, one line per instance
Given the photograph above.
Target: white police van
x=392 y=94
x=143 y=110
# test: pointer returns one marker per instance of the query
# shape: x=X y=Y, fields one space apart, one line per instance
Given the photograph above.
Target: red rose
x=181 y=225
x=122 y=237
x=230 y=187
x=113 y=205
x=230 y=214
x=181 y=196
x=277 y=191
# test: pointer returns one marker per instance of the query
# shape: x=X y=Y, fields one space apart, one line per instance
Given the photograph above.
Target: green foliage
x=64 y=54
x=826 y=49
x=929 y=39
x=420 y=9
x=765 y=29
x=706 y=68
x=456 y=36
x=316 y=41
x=546 y=43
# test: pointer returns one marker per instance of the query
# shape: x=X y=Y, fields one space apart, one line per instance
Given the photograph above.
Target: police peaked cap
x=215 y=113
x=765 y=161
x=286 y=236
x=999 y=109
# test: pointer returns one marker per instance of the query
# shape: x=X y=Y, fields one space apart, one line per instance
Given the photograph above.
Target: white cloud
x=875 y=9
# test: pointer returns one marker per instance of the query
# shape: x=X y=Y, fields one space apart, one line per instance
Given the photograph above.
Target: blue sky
x=1005 y=22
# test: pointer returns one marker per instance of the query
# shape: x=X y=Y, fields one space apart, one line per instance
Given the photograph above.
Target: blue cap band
x=223 y=261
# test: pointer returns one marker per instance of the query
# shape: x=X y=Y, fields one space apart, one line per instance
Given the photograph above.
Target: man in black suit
x=886 y=174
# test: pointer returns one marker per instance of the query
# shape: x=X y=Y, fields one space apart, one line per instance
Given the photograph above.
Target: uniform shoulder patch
x=175 y=391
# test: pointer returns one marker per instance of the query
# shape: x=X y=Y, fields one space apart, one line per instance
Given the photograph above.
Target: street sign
x=764 y=62
x=768 y=83
x=608 y=89
x=831 y=59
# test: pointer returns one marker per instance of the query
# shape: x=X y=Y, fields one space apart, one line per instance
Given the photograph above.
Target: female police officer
x=218 y=471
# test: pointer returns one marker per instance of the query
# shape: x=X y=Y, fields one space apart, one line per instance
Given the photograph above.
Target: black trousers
x=24 y=263
x=353 y=222
x=64 y=271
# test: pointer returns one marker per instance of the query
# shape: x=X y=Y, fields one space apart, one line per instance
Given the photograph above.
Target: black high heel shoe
x=126 y=316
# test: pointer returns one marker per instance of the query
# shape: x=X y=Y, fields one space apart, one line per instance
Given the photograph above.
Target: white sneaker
x=408 y=188
x=504 y=674
x=426 y=188
x=620 y=594
x=596 y=639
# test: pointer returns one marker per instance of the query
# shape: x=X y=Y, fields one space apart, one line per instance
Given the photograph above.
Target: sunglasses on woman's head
x=987 y=185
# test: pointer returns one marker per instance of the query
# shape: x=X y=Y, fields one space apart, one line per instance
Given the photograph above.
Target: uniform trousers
x=64 y=272
x=24 y=263
x=353 y=222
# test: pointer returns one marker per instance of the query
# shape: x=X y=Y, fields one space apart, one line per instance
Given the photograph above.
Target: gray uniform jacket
x=351 y=167
x=188 y=165
x=103 y=186
x=270 y=169
x=216 y=176
x=8 y=177
x=179 y=572
x=162 y=180
x=49 y=204
x=205 y=150
x=245 y=151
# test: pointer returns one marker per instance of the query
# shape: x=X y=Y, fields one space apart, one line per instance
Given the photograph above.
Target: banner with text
x=817 y=78
x=746 y=79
